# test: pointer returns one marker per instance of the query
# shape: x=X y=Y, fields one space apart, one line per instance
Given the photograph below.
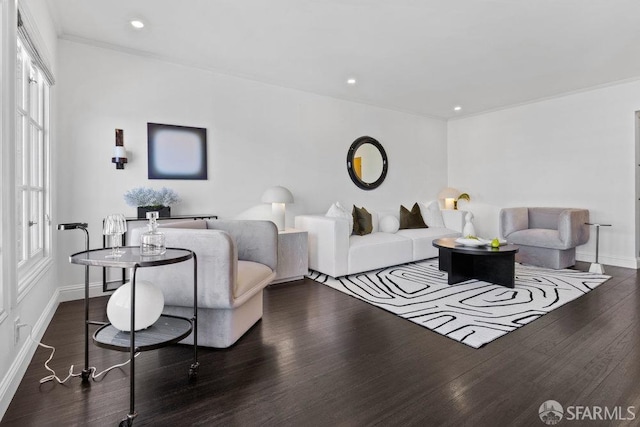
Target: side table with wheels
x=166 y=330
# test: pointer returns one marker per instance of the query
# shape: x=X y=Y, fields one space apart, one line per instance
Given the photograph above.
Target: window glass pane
x=41 y=223
x=20 y=231
x=41 y=86
x=19 y=149
x=20 y=77
x=34 y=155
x=45 y=104
x=35 y=223
x=34 y=93
x=39 y=166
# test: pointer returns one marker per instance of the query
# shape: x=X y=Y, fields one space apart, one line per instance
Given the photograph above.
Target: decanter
x=152 y=242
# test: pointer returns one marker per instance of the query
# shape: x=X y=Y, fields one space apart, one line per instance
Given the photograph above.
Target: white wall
x=258 y=136
x=576 y=151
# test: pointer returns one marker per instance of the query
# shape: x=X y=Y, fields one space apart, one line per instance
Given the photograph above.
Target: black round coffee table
x=494 y=265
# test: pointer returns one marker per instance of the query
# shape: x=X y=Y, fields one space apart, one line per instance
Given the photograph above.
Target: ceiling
x=417 y=56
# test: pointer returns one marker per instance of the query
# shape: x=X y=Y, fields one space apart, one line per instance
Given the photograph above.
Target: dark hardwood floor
x=319 y=358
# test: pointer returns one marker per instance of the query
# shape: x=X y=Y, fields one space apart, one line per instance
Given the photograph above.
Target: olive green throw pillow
x=356 y=224
x=362 y=222
x=411 y=219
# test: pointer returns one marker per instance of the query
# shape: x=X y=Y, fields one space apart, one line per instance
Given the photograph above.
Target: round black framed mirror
x=367 y=163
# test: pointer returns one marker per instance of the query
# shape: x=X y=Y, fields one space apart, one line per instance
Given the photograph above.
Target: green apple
x=495 y=243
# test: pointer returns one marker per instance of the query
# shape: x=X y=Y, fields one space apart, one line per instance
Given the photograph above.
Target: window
x=33 y=233
x=5 y=113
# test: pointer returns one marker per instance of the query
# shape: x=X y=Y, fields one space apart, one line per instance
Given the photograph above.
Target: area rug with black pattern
x=472 y=312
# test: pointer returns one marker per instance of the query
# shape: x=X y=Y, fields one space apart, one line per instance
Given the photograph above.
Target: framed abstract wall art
x=176 y=152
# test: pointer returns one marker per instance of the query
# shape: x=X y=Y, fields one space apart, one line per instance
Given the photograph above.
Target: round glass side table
x=596 y=267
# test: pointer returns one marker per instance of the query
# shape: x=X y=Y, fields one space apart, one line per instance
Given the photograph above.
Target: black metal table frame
x=494 y=265
x=151 y=261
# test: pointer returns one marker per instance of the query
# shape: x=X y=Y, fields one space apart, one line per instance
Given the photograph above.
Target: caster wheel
x=127 y=422
x=193 y=371
x=85 y=375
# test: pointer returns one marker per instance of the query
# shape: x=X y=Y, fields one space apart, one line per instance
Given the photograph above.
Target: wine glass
x=121 y=228
x=115 y=226
x=108 y=227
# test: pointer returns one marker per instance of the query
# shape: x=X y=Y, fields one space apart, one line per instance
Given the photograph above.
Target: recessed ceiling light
x=351 y=81
x=457 y=108
x=136 y=23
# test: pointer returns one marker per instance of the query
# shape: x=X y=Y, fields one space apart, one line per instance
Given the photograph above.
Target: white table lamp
x=449 y=196
x=278 y=196
x=449 y=203
x=149 y=306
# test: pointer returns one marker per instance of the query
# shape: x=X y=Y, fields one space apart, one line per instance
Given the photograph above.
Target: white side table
x=293 y=255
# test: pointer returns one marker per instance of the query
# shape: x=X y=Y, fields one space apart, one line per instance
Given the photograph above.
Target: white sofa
x=333 y=250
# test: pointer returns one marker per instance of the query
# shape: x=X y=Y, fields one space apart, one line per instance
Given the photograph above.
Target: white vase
x=469 y=229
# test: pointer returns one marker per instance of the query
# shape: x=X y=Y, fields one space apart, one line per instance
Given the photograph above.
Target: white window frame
x=5 y=131
x=33 y=225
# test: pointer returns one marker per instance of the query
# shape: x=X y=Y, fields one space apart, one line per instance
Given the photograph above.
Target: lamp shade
x=119 y=152
x=277 y=194
x=449 y=193
x=149 y=306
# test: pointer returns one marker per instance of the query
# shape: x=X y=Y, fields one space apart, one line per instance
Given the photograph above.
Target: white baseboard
x=608 y=260
x=11 y=381
x=76 y=292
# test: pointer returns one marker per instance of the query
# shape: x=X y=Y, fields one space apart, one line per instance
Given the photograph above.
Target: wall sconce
x=278 y=197
x=119 y=152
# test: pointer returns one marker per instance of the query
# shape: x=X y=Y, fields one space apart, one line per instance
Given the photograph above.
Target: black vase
x=163 y=211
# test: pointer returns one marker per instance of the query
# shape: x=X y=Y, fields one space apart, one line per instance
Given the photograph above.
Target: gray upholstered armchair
x=236 y=261
x=547 y=237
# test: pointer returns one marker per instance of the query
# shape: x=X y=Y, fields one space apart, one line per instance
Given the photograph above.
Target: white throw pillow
x=432 y=215
x=389 y=224
x=338 y=211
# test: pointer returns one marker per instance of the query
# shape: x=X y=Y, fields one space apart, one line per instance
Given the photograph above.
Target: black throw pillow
x=362 y=221
x=356 y=224
x=411 y=219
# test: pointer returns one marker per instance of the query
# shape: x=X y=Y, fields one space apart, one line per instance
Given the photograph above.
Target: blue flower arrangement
x=148 y=197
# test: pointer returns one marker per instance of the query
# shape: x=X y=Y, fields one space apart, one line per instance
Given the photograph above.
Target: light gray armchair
x=547 y=237
x=236 y=261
